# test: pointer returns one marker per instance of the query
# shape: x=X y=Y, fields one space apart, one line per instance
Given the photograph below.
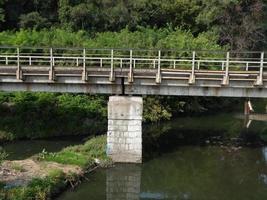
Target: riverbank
x=27 y=115
x=46 y=174
x=224 y=132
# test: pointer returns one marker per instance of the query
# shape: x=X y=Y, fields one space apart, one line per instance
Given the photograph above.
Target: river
x=211 y=157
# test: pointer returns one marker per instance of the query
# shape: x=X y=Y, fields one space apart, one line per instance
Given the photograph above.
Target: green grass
x=45 y=188
x=3 y=155
x=81 y=155
x=40 y=189
x=17 y=167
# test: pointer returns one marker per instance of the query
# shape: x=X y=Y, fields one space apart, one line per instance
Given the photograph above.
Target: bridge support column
x=124 y=136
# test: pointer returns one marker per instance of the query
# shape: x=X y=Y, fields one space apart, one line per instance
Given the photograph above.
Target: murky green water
x=188 y=173
x=23 y=149
x=187 y=158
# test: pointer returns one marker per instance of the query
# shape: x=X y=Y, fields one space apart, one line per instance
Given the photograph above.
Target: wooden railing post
x=158 y=75
x=192 y=75
x=130 y=74
x=111 y=76
x=225 y=80
x=18 y=72
x=259 y=80
x=51 y=70
x=84 y=73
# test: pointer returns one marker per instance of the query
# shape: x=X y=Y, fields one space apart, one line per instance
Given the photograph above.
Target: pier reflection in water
x=188 y=173
x=123 y=182
x=190 y=164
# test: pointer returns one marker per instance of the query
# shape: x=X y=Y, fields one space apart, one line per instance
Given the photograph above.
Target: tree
x=240 y=23
x=17 y=9
x=33 y=20
x=77 y=15
x=2 y=15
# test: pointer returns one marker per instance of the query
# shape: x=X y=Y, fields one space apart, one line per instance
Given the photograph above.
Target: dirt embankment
x=21 y=172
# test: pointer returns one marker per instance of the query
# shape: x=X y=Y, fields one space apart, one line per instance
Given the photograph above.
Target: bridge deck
x=143 y=74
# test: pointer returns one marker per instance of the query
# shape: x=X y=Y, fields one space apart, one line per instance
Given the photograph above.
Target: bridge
x=134 y=72
x=128 y=72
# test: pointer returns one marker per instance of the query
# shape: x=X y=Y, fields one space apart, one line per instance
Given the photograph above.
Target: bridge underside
x=117 y=88
x=98 y=81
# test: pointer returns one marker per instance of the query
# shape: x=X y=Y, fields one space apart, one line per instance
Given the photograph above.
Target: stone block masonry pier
x=124 y=136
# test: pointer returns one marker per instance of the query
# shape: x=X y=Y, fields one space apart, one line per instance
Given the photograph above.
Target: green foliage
x=3 y=155
x=38 y=188
x=2 y=15
x=33 y=20
x=115 y=15
x=155 y=111
x=39 y=115
x=142 y=38
x=239 y=23
x=43 y=115
x=44 y=188
x=82 y=16
x=19 y=12
x=81 y=155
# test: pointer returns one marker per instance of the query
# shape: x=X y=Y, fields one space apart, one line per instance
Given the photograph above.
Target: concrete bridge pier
x=124 y=136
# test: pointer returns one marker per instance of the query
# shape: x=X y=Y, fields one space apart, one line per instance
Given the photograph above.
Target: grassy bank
x=56 y=170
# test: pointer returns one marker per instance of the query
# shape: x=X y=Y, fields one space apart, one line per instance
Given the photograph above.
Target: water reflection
x=32 y=147
x=188 y=173
x=192 y=163
x=123 y=182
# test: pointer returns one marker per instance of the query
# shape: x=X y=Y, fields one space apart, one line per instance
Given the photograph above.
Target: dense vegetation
x=240 y=23
x=142 y=38
x=169 y=24
x=40 y=115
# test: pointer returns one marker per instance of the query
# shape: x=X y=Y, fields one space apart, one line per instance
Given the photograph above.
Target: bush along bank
x=27 y=115
x=42 y=115
x=46 y=174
